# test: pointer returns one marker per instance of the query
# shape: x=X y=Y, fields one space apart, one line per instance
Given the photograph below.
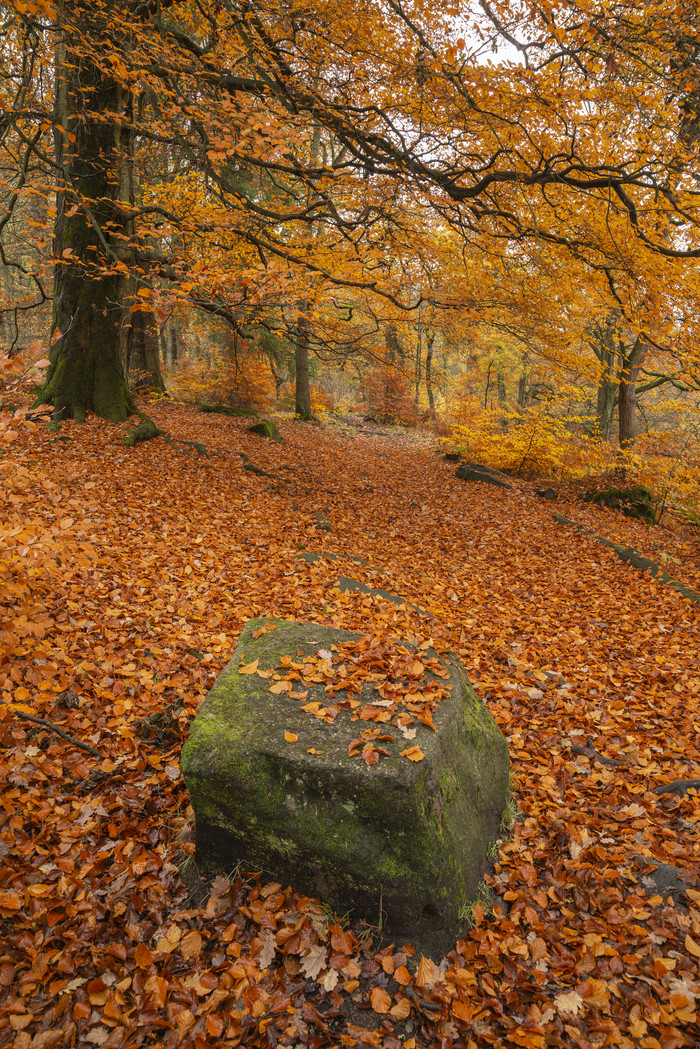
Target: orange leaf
x=402 y=975
x=401 y=1010
x=427 y=973
x=381 y=1001
x=291 y=737
x=413 y=754
x=142 y=956
x=191 y=944
x=249 y=668
x=215 y=1026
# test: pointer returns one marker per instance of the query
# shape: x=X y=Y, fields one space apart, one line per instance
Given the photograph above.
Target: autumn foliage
x=387 y=394
x=128 y=574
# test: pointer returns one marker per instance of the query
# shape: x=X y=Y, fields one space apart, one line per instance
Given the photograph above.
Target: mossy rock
x=636 y=502
x=230 y=410
x=466 y=472
x=399 y=843
x=266 y=428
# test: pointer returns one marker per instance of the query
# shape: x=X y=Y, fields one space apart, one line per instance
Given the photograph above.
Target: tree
x=91 y=235
x=552 y=155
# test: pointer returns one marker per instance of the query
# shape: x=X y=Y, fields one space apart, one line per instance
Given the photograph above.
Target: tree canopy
x=271 y=164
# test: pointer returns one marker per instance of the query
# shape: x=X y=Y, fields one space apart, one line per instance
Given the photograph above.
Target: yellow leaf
x=569 y=1002
x=692 y=947
x=249 y=668
x=413 y=754
x=291 y=737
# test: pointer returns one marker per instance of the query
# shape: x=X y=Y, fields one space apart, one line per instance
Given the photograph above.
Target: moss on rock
x=266 y=428
x=637 y=501
x=407 y=839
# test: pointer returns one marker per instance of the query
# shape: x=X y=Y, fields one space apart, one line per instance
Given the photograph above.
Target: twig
x=54 y=728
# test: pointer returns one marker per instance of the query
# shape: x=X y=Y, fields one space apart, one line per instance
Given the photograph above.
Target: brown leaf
x=313 y=961
x=427 y=973
x=191 y=944
x=267 y=955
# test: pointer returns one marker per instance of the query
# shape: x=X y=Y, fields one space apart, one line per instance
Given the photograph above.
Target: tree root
x=145 y=431
x=633 y=557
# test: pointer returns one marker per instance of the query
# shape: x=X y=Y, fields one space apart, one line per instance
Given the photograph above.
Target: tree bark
x=419 y=351
x=522 y=382
x=430 y=342
x=90 y=234
x=302 y=393
x=143 y=354
x=627 y=396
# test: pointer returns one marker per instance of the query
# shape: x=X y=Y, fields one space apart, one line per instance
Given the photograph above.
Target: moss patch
x=411 y=836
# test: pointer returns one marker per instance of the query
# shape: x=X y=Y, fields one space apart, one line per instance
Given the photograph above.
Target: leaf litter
x=122 y=598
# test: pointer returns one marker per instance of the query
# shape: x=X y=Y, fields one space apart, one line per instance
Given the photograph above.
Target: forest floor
x=128 y=575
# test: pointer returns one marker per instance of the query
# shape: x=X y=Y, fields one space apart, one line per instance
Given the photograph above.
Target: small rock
x=266 y=428
x=470 y=473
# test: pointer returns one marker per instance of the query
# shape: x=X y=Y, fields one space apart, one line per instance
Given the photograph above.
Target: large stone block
x=399 y=841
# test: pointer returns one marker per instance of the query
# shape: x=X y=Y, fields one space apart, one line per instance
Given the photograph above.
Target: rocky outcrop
x=278 y=784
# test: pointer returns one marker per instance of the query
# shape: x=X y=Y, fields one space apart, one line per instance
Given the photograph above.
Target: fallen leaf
x=569 y=1003
x=249 y=668
x=413 y=754
x=269 y=950
x=692 y=947
x=381 y=1001
x=427 y=973
x=191 y=944
x=313 y=961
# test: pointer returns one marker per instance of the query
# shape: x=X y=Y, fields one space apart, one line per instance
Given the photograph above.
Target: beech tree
x=585 y=146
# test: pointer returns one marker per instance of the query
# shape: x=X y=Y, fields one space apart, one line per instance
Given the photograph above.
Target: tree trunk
x=605 y=400
x=502 y=396
x=170 y=347
x=143 y=354
x=302 y=395
x=419 y=351
x=90 y=235
x=391 y=341
x=627 y=396
x=522 y=383
x=488 y=386
x=429 y=373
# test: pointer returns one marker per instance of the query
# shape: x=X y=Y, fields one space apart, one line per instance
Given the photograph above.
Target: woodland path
x=145 y=563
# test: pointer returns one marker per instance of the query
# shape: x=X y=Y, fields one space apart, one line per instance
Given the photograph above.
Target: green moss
x=414 y=835
x=266 y=428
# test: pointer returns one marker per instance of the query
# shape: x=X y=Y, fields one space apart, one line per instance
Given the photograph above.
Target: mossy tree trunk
x=144 y=354
x=302 y=395
x=429 y=373
x=627 y=396
x=91 y=236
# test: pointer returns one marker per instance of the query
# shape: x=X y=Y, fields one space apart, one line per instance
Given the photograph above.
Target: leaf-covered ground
x=128 y=575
